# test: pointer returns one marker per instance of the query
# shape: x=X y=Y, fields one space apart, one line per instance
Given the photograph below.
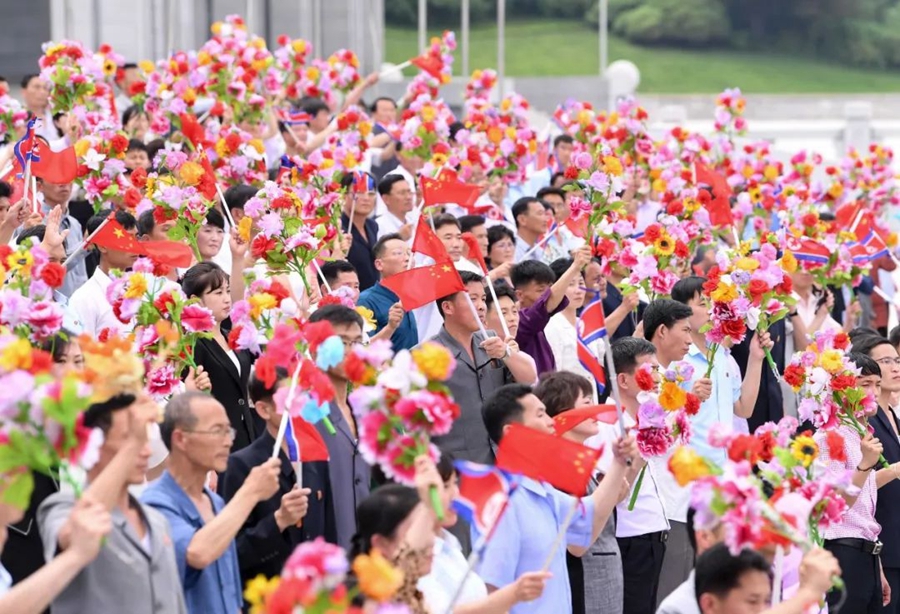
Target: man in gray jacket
x=136 y=569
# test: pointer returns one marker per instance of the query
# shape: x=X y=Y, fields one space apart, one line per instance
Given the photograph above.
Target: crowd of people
x=187 y=509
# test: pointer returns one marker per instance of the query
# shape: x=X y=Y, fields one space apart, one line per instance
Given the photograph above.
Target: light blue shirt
x=217 y=588
x=524 y=537
x=719 y=407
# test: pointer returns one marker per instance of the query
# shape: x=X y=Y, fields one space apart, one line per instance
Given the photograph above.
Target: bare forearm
x=210 y=542
x=35 y=593
x=558 y=289
x=522 y=367
x=796 y=604
x=237 y=278
x=749 y=389
x=615 y=319
x=605 y=499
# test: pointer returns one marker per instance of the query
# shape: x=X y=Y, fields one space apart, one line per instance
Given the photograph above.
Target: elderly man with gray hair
x=198 y=435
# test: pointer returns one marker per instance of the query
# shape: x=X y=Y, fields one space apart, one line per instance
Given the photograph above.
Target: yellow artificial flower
x=365 y=129
x=216 y=28
x=350 y=161
x=747 y=171
x=686 y=466
x=671 y=397
x=245 y=226
x=659 y=185
x=222 y=149
x=664 y=245
x=495 y=135
x=203 y=58
x=20 y=261
x=770 y=172
x=612 y=165
x=16 y=355
x=82 y=147
x=109 y=68
x=257 y=144
x=788 y=262
x=137 y=286
x=378 y=579
x=298 y=45
x=434 y=361
x=747 y=264
x=368 y=317
x=326 y=163
x=258 y=590
x=147 y=66
x=505 y=105
x=831 y=361
x=836 y=190
x=805 y=450
x=261 y=302
x=312 y=73
x=191 y=173
x=428 y=113
x=724 y=293
x=189 y=96
x=439 y=160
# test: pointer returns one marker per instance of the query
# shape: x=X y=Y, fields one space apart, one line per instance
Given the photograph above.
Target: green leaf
x=17 y=491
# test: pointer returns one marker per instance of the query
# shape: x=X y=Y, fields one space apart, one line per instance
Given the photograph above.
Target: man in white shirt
x=531 y=224
x=58 y=195
x=36 y=99
x=89 y=301
x=643 y=531
x=397 y=195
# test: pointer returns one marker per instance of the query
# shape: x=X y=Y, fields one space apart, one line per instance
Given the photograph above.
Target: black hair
x=550 y=190
x=214 y=218
x=36 y=231
x=455 y=127
x=861 y=332
x=153 y=148
x=563 y=138
x=58 y=344
x=378 y=249
x=5 y=190
x=380 y=514
x=202 y=278
x=445 y=219
x=626 y=351
x=865 y=364
x=337 y=314
x=502 y=408
x=560 y=266
x=387 y=184
x=894 y=337
x=332 y=269
x=375 y=102
x=313 y=106
x=501 y=289
x=529 y=271
x=26 y=80
x=445 y=465
x=663 y=312
x=237 y=196
x=468 y=222
x=136 y=145
x=496 y=234
x=559 y=390
x=145 y=223
x=121 y=216
x=865 y=341
x=348 y=179
x=691 y=531
x=99 y=415
x=687 y=288
x=718 y=572
x=467 y=277
x=555 y=176
x=257 y=389
x=520 y=207
x=129 y=113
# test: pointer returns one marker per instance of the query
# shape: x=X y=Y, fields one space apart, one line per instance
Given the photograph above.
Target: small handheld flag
x=484 y=492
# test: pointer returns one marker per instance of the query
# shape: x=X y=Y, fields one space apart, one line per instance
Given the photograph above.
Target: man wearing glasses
x=199 y=436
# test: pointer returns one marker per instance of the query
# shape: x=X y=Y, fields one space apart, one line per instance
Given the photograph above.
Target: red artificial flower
x=261 y=246
x=691 y=404
x=282 y=349
x=233 y=337
x=757 y=288
x=355 y=368
x=794 y=375
x=139 y=178
x=53 y=274
x=41 y=361
x=232 y=142
x=652 y=233
x=810 y=219
x=676 y=207
x=118 y=143
x=163 y=302
x=571 y=173
x=745 y=447
x=786 y=286
x=843 y=381
x=5 y=252
x=132 y=198
x=317 y=332
x=277 y=290
x=681 y=249
x=768 y=444
x=136 y=88
x=836 y=450
x=841 y=341
x=265 y=370
x=704 y=197
x=644 y=380
x=736 y=329
x=313 y=379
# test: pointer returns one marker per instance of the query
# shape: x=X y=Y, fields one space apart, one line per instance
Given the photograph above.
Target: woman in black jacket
x=229 y=371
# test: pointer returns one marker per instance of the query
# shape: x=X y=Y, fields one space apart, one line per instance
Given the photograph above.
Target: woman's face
x=390 y=546
x=209 y=241
x=218 y=301
x=502 y=251
x=575 y=292
x=451 y=492
x=72 y=359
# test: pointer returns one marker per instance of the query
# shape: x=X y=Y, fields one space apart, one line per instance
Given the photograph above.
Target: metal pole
x=501 y=46
x=423 y=24
x=317 y=27
x=97 y=23
x=465 y=38
x=604 y=36
x=250 y=12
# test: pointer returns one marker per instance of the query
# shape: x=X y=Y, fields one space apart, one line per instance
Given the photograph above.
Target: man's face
x=458 y=311
x=803 y=280
x=350 y=334
x=497 y=190
x=563 y=153
x=870 y=384
x=118 y=259
x=137 y=158
x=480 y=234
x=887 y=358
x=55 y=193
x=394 y=258
x=594 y=281
x=400 y=199
x=560 y=208
x=451 y=236
x=675 y=341
x=535 y=415
x=209 y=241
x=348 y=279
x=129 y=76
x=36 y=94
x=115 y=438
x=160 y=232
x=529 y=293
x=750 y=596
x=385 y=112
x=700 y=306
x=534 y=219
x=208 y=442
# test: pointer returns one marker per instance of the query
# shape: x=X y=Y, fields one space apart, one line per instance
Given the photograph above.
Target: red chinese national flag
x=54 y=166
x=578 y=227
x=422 y=285
x=564 y=464
x=442 y=191
x=474 y=250
x=312 y=446
x=427 y=243
x=569 y=419
x=719 y=207
x=428 y=63
x=169 y=253
x=113 y=236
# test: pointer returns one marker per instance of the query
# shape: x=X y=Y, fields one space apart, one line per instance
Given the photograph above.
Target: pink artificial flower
x=197 y=319
x=46 y=318
x=162 y=382
x=371 y=427
x=654 y=441
x=324 y=564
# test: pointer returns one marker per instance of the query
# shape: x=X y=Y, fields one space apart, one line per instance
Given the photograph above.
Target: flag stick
x=84 y=243
x=614 y=388
x=564 y=527
x=34 y=202
x=285 y=414
x=778 y=575
x=538 y=245
x=352 y=213
x=396 y=68
x=475 y=313
x=415 y=229
x=737 y=238
x=857 y=220
x=225 y=206
x=28 y=177
x=493 y=292
x=321 y=275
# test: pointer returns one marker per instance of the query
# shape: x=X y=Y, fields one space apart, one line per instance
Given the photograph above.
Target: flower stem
x=436 y=502
x=862 y=433
x=328 y=425
x=772 y=365
x=637 y=488
x=710 y=359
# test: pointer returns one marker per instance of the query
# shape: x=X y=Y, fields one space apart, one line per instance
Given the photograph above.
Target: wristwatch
x=507 y=354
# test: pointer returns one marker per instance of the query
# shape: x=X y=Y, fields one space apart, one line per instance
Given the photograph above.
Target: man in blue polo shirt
x=391 y=257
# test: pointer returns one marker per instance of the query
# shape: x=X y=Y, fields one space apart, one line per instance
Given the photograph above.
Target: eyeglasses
x=504 y=244
x=218 y=431
x=887 y=361
x=349 y=343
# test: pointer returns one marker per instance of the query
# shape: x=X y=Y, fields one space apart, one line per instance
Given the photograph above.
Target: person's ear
x=518 y=295
x=708 y=603
x=262 y=408
x=379 y=265
x=383 y=545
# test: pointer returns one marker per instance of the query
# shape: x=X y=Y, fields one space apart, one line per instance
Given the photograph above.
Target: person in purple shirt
x=539 y=301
